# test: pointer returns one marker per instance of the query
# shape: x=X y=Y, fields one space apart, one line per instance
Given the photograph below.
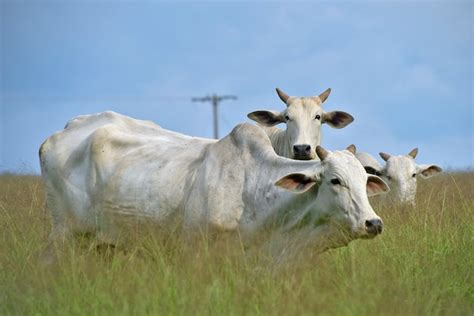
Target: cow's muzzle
x=302 y=152
x=373 y=227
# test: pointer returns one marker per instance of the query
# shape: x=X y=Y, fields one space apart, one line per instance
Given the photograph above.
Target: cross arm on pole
x=215 y=99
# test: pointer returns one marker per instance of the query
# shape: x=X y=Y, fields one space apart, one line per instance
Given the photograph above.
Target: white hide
x=303 y=118
x=400 y=173
x=106 y=165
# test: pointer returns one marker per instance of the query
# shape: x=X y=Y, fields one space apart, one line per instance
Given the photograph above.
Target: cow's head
x=341 y=203
x=303 y=117
x=401 y=173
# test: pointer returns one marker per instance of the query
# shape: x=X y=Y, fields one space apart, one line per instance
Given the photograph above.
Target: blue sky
x=402 y=69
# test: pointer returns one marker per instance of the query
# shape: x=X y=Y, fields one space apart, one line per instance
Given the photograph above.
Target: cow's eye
x=287 y=117
x=318 y=117
x=413 y=175
x=389 y=178
x=336 y=181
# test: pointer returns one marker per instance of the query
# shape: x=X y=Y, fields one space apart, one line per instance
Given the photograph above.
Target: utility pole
x=215 y=100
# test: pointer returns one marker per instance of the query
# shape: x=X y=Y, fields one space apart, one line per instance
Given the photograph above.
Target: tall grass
x=421 y=265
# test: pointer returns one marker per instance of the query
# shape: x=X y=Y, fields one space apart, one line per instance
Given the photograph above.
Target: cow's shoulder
x=250 y=136
x=103 y=117
x=110 y=141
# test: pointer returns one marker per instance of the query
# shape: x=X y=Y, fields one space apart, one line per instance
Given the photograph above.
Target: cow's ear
x=427 y=171
x=337 y=119
x=266 y=118
x=370 y=170
x=375 y=186
x=296 y=182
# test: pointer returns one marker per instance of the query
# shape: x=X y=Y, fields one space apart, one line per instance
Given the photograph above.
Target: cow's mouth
x=303 y=157
x=362 y=233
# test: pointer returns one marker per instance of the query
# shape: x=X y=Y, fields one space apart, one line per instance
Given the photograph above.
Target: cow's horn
x=283 y=96
x=352 y=149
x=413 y=153
x=321 y=152
x=384 y=156
x=323 y=96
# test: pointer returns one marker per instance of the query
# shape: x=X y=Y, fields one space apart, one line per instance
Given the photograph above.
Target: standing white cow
x=303 y=117
x=400 y=172
x=106 y=165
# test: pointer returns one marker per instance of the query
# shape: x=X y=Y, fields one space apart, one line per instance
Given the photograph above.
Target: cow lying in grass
x=303 y=117
x=400 y=172
x=106 y=165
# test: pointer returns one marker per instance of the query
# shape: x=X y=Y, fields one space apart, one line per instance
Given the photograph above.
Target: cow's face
x=401 y=172
x=342 y=204
x=303 y=118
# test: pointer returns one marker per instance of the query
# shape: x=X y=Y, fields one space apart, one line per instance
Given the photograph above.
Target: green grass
x=422 y=264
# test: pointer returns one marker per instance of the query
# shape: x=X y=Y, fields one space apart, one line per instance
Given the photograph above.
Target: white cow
x=400 y=172
x=106 y=165
x=303 y=117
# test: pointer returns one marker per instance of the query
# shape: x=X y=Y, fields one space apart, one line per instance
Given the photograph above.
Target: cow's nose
x=302 y=150
x=374 y=227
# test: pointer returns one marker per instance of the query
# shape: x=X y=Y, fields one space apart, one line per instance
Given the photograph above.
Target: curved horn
x=323 y=96
x=413 y=153
x=384 y=156
x=321 y=152
x=283 y=96
x=352 y=149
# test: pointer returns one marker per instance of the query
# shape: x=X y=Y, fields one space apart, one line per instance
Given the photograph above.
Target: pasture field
x=423 y=264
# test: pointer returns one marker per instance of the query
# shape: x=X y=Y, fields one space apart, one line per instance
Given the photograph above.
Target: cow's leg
x=56 y=241
x=108 y=232
x=61 y=228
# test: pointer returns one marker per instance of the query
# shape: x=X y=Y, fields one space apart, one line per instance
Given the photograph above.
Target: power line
x=215 y=100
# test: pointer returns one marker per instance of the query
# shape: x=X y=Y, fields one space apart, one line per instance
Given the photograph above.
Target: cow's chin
x=304 y=157
x=344 y=239
x=341 y=241
x=335 y=237
x=362 y=234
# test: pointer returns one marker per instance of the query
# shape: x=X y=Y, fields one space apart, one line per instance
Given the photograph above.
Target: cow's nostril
x=374 y=226
x=302 y=150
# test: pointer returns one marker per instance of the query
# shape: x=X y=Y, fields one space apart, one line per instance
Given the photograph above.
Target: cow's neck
x=278 y=139
x=302 y=218
x=295 y=210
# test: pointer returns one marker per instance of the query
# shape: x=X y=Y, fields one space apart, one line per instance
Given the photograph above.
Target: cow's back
x=369 y=162
x=82 y=164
